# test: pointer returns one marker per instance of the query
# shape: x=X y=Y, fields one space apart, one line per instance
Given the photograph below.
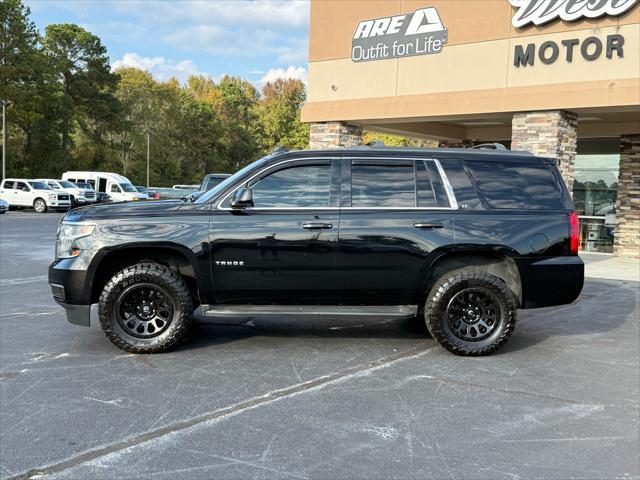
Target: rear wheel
x=39 y=205
x=470 y=312
x=145 y=308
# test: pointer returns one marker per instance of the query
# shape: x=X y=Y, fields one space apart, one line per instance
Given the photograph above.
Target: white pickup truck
x=21 y=192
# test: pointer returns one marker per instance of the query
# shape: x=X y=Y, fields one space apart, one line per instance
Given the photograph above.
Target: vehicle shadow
x=604 y=305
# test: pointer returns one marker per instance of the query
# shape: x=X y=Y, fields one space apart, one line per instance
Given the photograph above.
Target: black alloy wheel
x=470 y=312
x=146 y=308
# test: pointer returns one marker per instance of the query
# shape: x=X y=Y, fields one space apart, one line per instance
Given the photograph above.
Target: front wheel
x=470 y=312
x=145 y=308
x=39 y=205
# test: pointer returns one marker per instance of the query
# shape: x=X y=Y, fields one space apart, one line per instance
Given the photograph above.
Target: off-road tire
x=148 y=273
x=436 y=311
x=40 y=206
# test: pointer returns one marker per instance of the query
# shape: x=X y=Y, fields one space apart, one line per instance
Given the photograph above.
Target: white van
x=119 y=188
x=22 y=192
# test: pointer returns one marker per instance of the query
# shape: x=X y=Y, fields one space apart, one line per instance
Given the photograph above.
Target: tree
x=82 y=68
x=279 y=114
x=397 y=140
x=26 y=81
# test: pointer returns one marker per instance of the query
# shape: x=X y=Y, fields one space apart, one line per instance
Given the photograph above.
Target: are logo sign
x=540 y=12
x=419 y=33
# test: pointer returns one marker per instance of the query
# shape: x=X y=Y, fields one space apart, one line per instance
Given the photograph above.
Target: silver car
x=4 y=205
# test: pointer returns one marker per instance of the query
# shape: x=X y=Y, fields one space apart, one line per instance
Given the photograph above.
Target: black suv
x=461 y=237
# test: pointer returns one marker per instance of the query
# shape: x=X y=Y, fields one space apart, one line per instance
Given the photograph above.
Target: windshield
x=66 y=184
x=40 y=186
x=85 y=186
x=127 y=187
x=231 y=180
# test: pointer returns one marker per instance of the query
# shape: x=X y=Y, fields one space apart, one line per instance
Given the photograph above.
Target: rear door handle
x=428 y=226
x=316 y=226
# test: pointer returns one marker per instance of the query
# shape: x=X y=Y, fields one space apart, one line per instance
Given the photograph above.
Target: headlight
x=52 y=197
x=68 y=233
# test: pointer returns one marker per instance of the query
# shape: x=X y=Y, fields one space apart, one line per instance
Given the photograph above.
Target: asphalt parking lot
x=316 y=399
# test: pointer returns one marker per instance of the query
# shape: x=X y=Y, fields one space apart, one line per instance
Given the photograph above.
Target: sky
x=259 y=40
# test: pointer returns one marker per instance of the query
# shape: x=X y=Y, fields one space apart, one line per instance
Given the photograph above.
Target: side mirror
x=25 y=189
x=242 y=198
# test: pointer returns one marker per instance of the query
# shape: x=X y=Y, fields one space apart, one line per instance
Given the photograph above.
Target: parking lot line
x=232 y=410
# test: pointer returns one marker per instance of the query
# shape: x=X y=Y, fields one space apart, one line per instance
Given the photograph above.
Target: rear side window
x=8 y=184
x=516 y=185
x=396 y=184
x=382 y=184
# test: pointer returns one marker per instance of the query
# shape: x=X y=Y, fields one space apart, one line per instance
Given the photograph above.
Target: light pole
x=5 y=104
x=148 y=132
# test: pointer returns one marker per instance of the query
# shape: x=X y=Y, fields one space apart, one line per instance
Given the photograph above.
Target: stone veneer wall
x=627 y=239
x=551 y=133
x=325 y=135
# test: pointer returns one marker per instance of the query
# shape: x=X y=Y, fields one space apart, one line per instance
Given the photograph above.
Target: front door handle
x=428 y=226
x=316 y=226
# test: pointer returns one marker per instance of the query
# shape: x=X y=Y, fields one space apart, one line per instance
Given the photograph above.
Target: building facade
x=560 y=78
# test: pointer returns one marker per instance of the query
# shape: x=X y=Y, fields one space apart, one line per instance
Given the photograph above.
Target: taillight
x=574 y=239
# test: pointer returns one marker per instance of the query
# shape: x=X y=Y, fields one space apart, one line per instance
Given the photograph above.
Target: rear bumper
x=552 y=281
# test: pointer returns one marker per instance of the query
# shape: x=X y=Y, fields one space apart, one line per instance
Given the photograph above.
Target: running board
x=399 y=311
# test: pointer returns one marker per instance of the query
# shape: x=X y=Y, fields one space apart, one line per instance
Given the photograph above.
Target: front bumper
x=76 y=314
x=71 y=291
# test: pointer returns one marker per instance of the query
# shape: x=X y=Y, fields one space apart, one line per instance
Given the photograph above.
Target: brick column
x=550 y=133
x=325 y=135
x=627 y=239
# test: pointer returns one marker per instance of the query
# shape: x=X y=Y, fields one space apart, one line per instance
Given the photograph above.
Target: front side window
x=40 y=186
x=115 y=188
x=377 y=184
x=294 y=187
x=21 y=186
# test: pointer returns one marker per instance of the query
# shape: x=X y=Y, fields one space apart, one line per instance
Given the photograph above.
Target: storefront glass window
x=595 y=190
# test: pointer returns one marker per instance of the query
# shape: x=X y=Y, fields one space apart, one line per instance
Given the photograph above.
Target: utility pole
x=148 y=132
x=5 y=104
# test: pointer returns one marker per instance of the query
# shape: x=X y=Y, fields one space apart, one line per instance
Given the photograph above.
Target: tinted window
x=517 y=185
x=40 y=186
x=8 y=184
x=213 y=181
x=431 y=192
x=299 y=186
x=382 y=184
x=20 y=186
x=463 y=189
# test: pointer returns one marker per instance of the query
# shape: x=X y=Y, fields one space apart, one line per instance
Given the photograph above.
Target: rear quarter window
x=515 y=184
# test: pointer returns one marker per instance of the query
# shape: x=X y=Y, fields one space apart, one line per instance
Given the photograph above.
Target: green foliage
x=396 y=140
x=70 y=111
x=279 y=112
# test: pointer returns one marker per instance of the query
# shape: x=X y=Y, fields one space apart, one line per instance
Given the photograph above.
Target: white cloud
x=159 y=67
x=291 y=72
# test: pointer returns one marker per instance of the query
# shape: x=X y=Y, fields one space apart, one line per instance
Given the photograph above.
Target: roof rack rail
x=279 y=149
x=489 y=146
